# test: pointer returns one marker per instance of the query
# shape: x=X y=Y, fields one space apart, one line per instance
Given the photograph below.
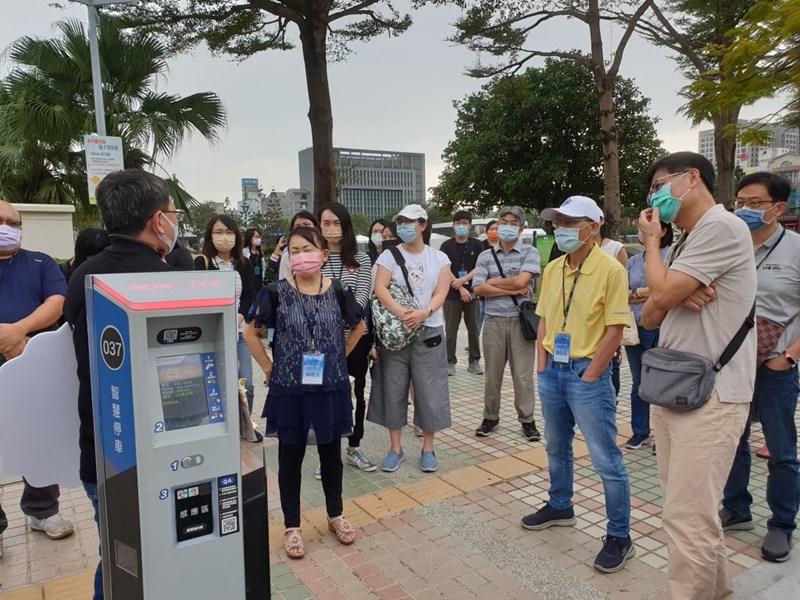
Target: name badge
x=561 y=350
x=313 y=368
x=462 y=274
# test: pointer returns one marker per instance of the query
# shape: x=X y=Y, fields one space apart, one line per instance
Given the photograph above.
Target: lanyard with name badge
x=761 y=262
x=561 y=349
x=313 y=362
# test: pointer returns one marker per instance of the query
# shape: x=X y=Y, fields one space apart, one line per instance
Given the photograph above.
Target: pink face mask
x=306 y=264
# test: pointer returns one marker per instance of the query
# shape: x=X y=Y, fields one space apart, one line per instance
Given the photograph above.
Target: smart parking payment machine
x=165 y=395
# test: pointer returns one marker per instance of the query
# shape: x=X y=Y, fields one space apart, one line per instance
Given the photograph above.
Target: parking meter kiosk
x=165 y=395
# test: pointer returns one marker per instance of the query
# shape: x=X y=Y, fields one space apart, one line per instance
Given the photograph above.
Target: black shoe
x=777 y=546
x=615 y=552
x=547 y=516
x=731 y=522
x=530 y=432
x=486 y=427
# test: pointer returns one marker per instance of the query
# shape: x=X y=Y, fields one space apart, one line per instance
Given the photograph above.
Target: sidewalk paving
x=453 y=534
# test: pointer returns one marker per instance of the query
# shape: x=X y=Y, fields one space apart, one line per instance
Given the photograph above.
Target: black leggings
x=357 y=366
x=290 y=462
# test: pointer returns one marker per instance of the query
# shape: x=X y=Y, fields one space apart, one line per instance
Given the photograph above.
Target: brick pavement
x=453 y=534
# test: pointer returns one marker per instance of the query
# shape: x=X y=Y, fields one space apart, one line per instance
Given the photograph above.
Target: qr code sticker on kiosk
x=170 y=336
x=230 y=525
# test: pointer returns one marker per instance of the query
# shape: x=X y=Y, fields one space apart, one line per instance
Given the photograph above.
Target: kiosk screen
x=189 y=390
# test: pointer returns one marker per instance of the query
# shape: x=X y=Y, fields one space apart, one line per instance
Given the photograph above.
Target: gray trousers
x=453 y=309
x=36 y=502
x=503 y=343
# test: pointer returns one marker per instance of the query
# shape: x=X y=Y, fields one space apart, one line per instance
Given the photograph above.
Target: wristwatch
x=635 y=292
x=790 y=359
x=430 y=311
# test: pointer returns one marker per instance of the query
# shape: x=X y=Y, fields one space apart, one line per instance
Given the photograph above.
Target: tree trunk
x=313 y=36
x=610 y=145
x=725 y=154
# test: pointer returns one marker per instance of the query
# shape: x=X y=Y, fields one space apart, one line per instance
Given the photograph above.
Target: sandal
x=293 y=543
x=343 y=530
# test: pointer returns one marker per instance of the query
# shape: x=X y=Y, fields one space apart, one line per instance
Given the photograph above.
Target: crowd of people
x=392 y=313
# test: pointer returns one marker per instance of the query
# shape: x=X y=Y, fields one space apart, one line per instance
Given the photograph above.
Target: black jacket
x=245 y=271
x=124 y=255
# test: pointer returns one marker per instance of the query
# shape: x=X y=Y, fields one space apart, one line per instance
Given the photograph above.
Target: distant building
x=295 y=200
x=250 y=204
x=748 y=156
x=375 y=183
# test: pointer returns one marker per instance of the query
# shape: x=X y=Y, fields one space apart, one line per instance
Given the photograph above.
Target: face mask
x=461 y=230
x=508 y=233
x=407 y=232
x=332 y=234
x=568 y=240
x=306 y=264
x=10 y=238
x=223 y=242
x=256 y=242
x=377 y=239
x=492 y=235
x=169 y=242
x=667 y=204
x=753 y=218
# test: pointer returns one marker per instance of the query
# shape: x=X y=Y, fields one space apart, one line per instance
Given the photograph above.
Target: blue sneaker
x=392 y=461
x=427 y=462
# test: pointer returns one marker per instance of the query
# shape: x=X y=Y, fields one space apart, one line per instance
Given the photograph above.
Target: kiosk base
x=256 y=535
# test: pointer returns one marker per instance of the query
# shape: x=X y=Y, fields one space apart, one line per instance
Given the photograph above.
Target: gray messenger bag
x=682 y=380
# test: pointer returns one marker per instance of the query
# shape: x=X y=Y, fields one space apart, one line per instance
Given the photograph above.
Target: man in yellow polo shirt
x=583 y=307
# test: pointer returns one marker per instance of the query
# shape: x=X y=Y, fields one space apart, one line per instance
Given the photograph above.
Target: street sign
x=103 y=156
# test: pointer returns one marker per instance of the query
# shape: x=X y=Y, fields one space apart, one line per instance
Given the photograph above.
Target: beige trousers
x=503 y=343
x=695 y=454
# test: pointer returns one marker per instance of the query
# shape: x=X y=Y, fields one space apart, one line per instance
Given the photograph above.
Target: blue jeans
x=91 y=492
x=640 y=410
x=775 y=401
x=567 y=400
x=245 y=368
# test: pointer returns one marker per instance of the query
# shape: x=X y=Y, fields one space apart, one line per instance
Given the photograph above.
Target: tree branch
x=353 y=10
x=618 y=53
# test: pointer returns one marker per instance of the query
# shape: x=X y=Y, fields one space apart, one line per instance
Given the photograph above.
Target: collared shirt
x=463 y=257
x=718 y=250
x=521 y=258
x=600 y=299
x=26 y=281
x=779 y=284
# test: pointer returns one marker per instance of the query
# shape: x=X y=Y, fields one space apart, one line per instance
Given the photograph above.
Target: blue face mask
x=754 y=219
x=407 y=232
x=461 y=230
x=508 y=233
x=667 y=204
x=567 y=239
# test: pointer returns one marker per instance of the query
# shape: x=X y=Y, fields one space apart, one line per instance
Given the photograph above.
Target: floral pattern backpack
x=389 y=328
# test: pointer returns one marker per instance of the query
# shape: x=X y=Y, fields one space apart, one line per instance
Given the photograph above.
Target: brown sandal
x=343 y=530
x=293 y=543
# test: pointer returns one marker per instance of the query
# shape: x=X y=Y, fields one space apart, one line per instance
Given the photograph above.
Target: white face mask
x=377 y=239
x=170 y=243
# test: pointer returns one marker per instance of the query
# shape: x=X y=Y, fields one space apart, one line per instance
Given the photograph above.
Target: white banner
x=103 y=156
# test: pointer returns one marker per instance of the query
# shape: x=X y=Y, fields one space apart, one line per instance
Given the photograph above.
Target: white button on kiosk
x=165 y=394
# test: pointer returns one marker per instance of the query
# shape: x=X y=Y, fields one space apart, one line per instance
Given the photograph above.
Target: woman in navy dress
x=308 y=401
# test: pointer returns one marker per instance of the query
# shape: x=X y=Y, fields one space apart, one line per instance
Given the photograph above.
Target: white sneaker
x=56 y=527
x=318 y=473
x=357 y=459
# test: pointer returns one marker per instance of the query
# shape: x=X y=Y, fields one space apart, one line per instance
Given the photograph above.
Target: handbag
x=630 y=335
x=682 y=380
x=528 y=319
x=389 y=328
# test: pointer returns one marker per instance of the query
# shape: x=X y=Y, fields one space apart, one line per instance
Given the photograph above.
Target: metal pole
x=97 y=82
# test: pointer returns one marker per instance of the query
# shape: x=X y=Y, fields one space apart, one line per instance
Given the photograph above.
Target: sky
x=389 y=94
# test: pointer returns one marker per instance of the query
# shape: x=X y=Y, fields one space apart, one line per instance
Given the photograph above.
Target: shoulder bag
x=528 y=319
x=389 y=328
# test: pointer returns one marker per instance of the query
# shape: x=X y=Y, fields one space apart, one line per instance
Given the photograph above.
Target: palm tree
x=46 y=107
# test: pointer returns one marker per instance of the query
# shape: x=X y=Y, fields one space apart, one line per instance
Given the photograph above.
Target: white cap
x=575 y=207
x=413 y=212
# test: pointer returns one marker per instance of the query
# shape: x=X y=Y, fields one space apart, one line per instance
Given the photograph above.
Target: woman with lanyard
x=252 y=251
x=309 y=388
x=425 y=361
x=354 y=270
x=222 y=251
x=282 y=268
x=639 y=293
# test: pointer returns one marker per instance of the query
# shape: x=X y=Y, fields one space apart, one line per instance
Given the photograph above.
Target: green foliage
x=361 y=223
x=46 y=107
x=522 y=140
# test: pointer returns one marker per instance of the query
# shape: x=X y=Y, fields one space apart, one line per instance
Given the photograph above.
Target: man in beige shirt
x=699 y=299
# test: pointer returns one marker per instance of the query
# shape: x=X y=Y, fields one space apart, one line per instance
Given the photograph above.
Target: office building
x=250 y=204
x=375 y=183
x=786 y=139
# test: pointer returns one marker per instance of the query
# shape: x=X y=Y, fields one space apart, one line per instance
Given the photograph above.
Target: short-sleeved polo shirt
x=26 y=281
x=600 y=299
x=521 y=258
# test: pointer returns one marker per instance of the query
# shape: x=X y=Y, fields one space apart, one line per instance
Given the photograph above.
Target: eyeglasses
x=658 y=183
x=569 y=223
x=11 y=223
x=179 y=214
x=753 y=203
